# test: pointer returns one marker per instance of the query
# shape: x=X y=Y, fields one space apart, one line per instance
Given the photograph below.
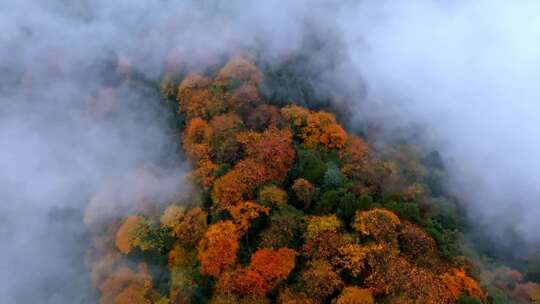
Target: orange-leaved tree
x=204 y=174
x=354 y=155
x=195 y=140
x=322 y=129
x=354 y=295
x=273 y=265
x=238 y=183
x=134 y=232
x=318 y=280
x=351 y=258
x=193 y=94
x=223 y=143
x=271 y=148
x=296 y=116
x=187 y=226
x=248 y=281
x=381 y=224
x=218 y=248
x=245 y=212
x=267 y=268
x=456 y=281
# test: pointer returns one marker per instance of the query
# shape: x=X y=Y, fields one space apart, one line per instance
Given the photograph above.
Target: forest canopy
x=288 y=206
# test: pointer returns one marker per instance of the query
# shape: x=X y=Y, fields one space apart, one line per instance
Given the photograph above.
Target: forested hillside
x=287 y=206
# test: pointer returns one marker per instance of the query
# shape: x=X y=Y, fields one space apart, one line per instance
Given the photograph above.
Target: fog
x=469 y=72
x=72 y=121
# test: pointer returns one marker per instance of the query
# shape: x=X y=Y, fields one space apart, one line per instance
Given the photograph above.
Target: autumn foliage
x=266 y=269
x=380 y=224
x=273 y=149
x=245 y=212
x=134 y=232
x=238 y=183
x=457 y=281
x=355 y=295
x=284 y=206
x=193 y=96
x=217 y=250
x=196 y=140
x=273 y=196
x=273 y=265
x=321 y=128
x=354 y=155
x=127 y=286
x=319 y=281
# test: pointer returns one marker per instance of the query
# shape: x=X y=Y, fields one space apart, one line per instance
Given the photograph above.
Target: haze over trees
x=288 y=207
x=269 y=152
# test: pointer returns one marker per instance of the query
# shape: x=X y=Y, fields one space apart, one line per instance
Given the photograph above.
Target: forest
x=288 y=204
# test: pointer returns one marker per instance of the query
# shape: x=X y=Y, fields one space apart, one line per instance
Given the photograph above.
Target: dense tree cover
x=288 y=207
x=354 y=295
x=218 y=248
